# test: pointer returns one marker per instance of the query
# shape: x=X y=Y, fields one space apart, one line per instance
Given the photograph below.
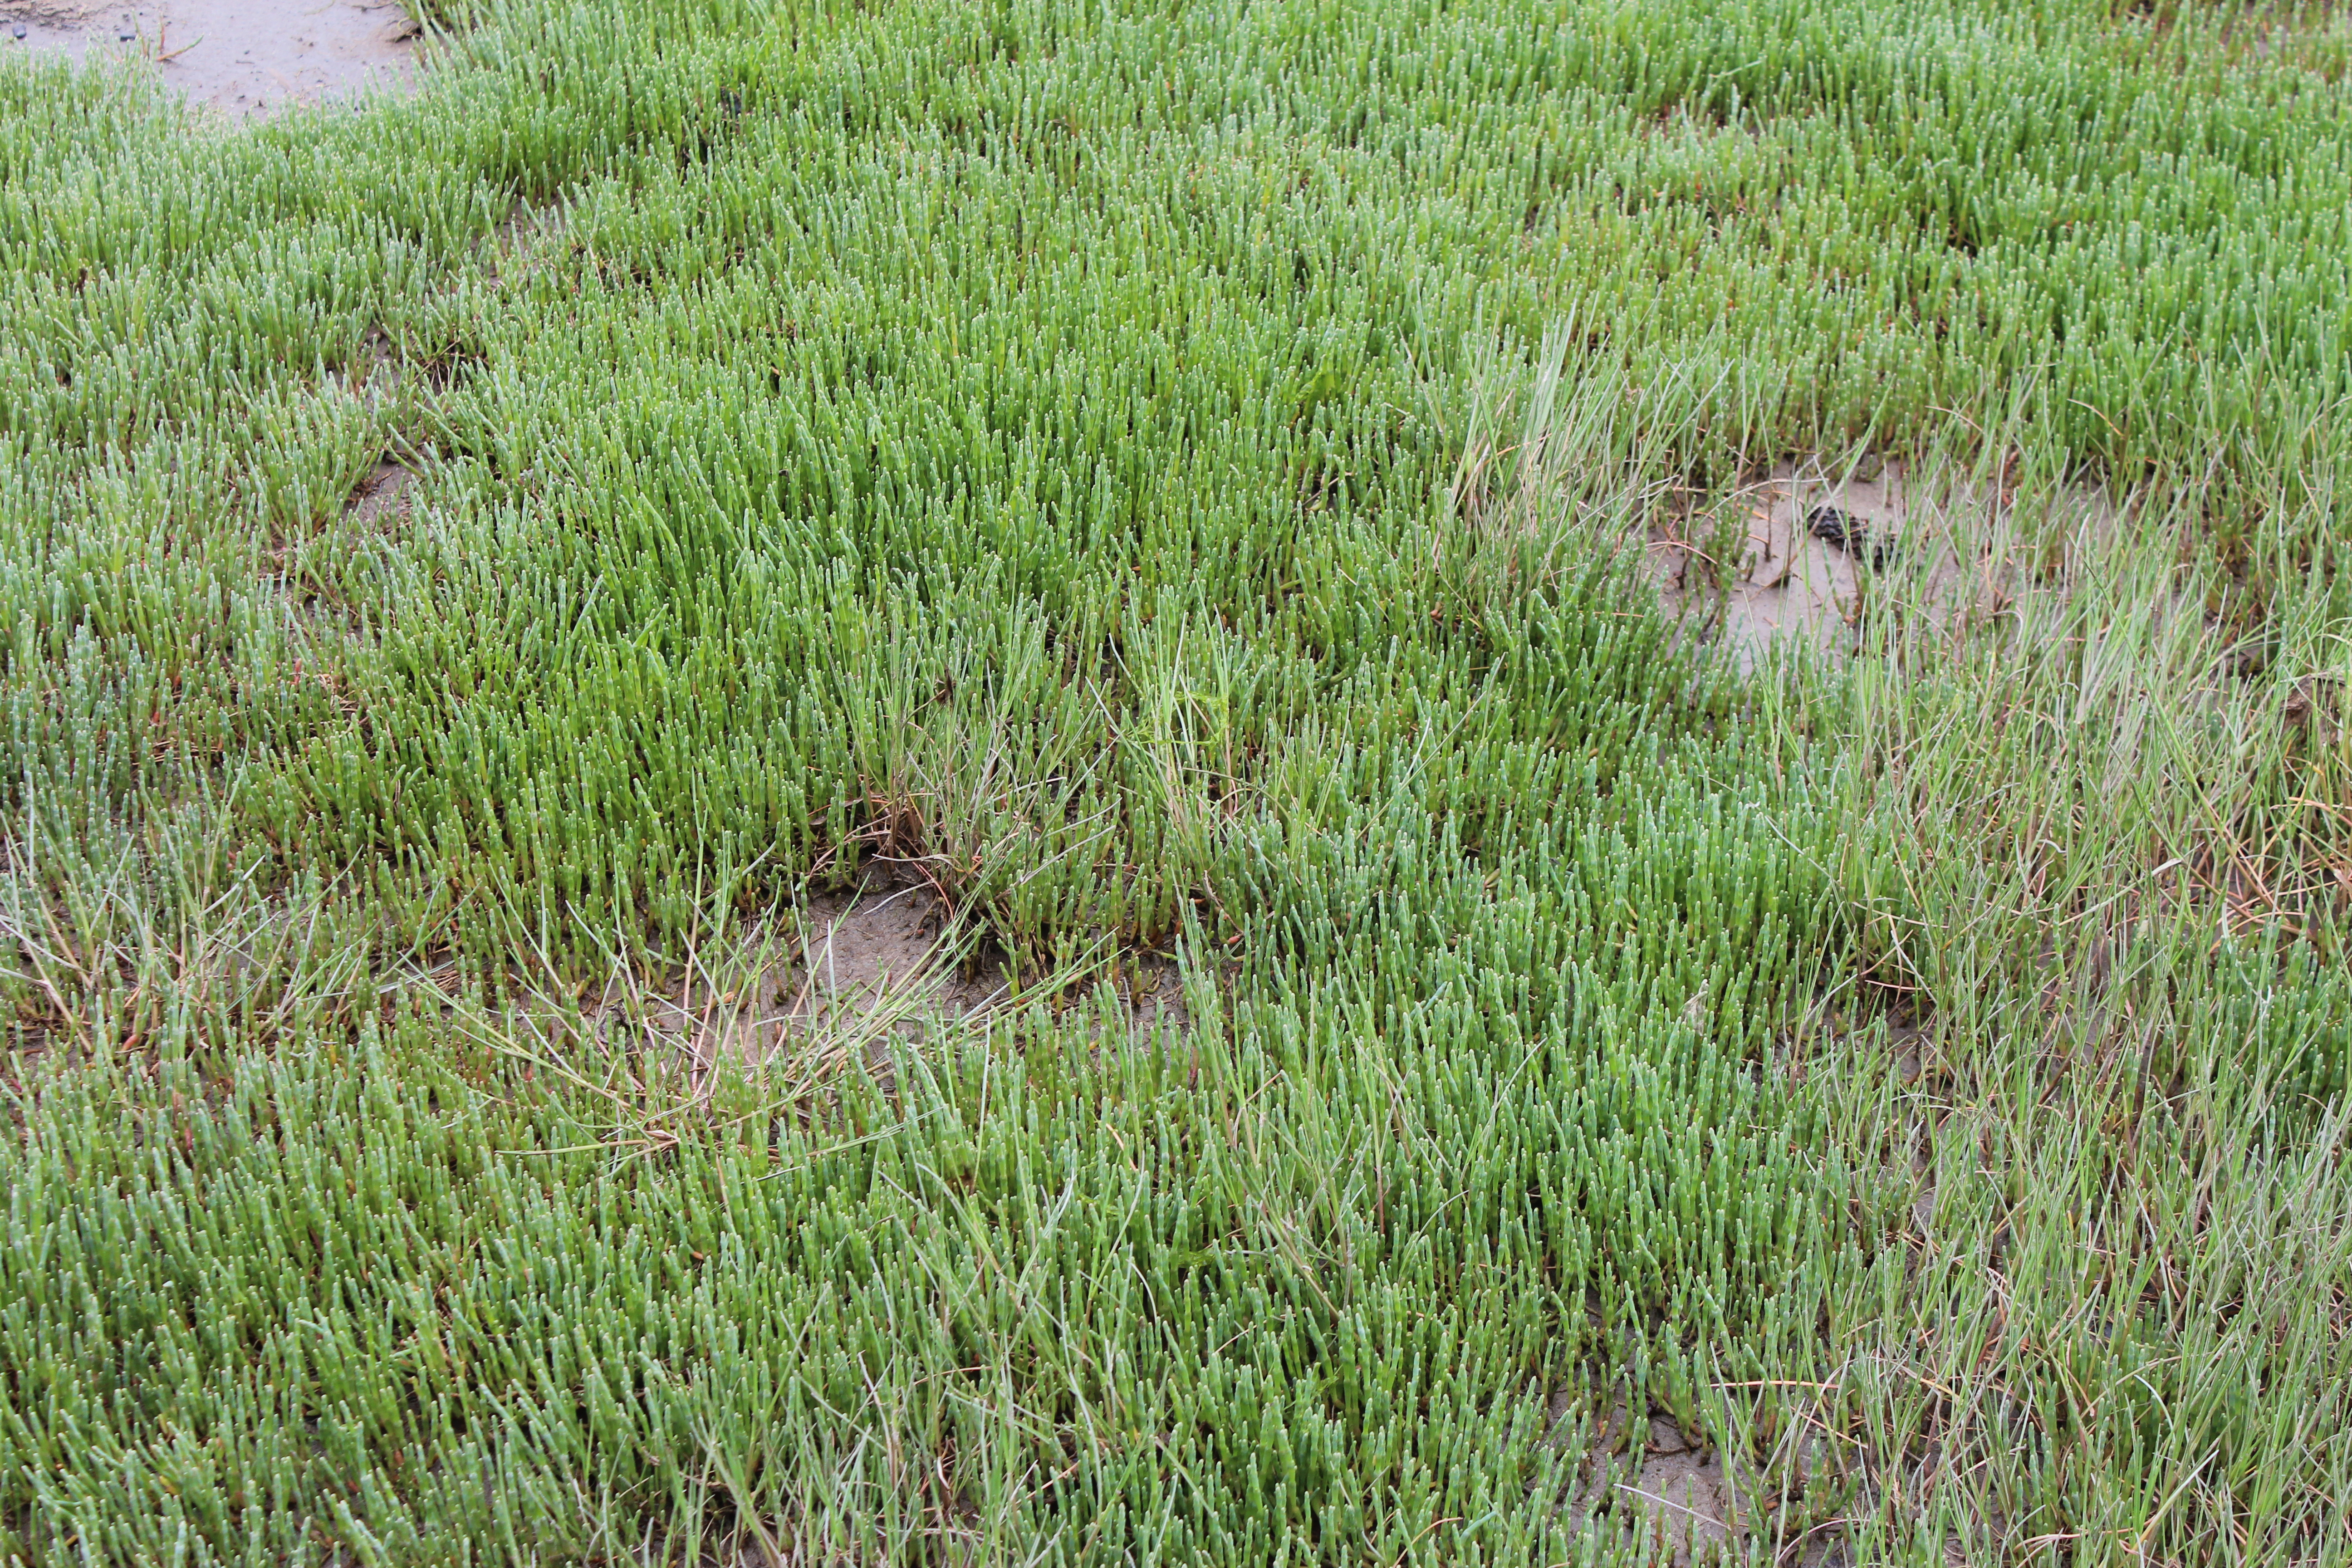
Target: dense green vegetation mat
x=1174 y=480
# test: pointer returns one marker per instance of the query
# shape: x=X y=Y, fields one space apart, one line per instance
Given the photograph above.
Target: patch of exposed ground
x=846 y=975
x=1649 y=1476
x=1651 y=1479
x=1809 y=542
x=244 y=59
x=1787 y=581
x=382 y=499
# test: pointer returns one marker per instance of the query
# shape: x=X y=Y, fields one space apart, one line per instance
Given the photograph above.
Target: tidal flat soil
x=1041 y=784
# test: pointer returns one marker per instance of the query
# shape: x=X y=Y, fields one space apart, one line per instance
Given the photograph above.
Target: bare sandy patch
x=244 y=59
x=1686 y=1496
x=1815 y=551
x=1791 y=579
x=382 y=499
x=847 y=978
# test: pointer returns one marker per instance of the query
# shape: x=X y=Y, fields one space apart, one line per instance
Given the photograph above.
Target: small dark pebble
x=1848 y=532
x=18 y=29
